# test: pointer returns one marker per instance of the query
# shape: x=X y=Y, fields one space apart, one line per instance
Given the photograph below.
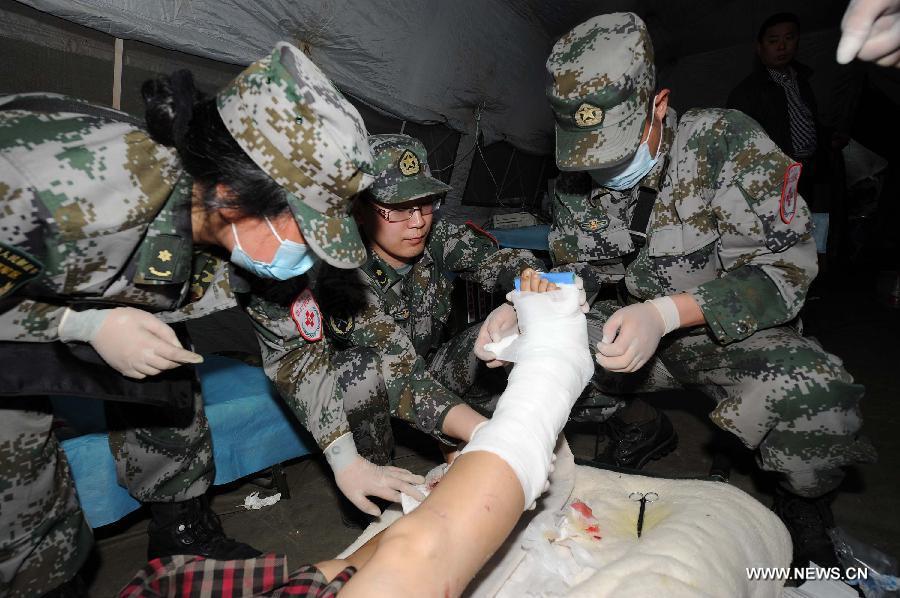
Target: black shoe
x=74 y=588
x=808 y=521
x=352 y=517
x=634 y=445
x=191 y=527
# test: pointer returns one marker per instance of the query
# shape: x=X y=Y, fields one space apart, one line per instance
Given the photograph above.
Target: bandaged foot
x=553 y=365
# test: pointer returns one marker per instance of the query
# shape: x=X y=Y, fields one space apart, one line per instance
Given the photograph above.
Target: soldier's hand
x=358 y=477
x=630 y=338
x=131 y=341
x=500 y=323
x=871 y=31
x=362 y=478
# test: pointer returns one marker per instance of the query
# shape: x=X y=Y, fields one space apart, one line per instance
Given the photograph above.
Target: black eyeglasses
x=404 y=214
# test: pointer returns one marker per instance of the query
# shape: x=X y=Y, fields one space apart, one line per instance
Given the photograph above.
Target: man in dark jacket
x=777 y=94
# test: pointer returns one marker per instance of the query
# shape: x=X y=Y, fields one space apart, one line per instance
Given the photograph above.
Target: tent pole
x=117 y=74
x=462 y=167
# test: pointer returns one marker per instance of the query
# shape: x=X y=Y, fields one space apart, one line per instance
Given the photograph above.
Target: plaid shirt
x=188 y=576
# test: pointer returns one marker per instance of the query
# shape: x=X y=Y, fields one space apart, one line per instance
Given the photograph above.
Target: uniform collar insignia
x=166 y=253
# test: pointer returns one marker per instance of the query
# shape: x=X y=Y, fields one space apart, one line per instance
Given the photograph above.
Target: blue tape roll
x=554 y=277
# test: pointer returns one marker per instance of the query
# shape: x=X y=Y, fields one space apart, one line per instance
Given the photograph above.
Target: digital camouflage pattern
x=726 y=228
x=715 y=230
x=602 y=89
x=775 y=390
x=44 y=538
x=95 y=213
x=590 y=225
x=399 y=317
x=133 y=248
x=296 y=126
x=304 y=372
x=171 y=461
x=403 y=316
x=330 y=392
x=401 y=170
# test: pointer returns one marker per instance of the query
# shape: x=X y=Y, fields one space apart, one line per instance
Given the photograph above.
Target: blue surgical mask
x=625 y=177
x=291 y=259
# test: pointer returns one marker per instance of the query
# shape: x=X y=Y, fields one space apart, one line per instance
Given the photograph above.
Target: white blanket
x=698 y=539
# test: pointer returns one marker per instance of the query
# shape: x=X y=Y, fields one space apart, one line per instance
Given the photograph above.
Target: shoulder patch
x=307 y=316
x=17 y=267
x=788 y=204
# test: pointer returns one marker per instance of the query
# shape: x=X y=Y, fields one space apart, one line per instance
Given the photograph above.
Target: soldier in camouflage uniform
x=713 y=273
x=106 y=235
x=386 y=320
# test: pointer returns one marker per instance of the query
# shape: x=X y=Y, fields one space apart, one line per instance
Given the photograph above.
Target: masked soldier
x=386 y=321
x=698 y=222
x=108 y=232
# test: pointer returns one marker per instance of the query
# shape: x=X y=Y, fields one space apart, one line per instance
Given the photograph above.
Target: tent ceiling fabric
x=434 y=60
x=421 y=60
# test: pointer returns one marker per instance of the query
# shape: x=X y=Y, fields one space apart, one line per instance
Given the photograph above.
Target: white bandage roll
x=553 y=365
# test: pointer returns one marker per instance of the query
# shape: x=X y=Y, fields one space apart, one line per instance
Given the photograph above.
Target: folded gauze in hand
x=553 y=365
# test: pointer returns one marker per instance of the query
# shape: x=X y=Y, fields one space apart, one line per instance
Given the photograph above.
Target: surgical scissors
x=643 y=498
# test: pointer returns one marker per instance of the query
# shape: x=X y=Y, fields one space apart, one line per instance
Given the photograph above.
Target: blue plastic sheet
x=251 y=431
x=525 y=237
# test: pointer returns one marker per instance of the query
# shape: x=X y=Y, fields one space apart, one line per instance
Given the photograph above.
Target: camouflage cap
x=401 y=170
x=299 y=129
x=603 y=83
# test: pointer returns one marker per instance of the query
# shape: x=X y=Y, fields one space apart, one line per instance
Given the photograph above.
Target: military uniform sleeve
x=413 y=393
x=475 y=257
x=29 y=321
x=301 y=370
x=766 y=247
x=21 y=319
x=595 y=274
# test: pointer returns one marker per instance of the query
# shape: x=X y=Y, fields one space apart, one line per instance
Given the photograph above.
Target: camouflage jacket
x=95 y=214
x=727 y=226
x=400 y=316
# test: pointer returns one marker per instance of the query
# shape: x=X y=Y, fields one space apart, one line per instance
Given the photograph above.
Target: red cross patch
x=307 y=316
x=788 y=204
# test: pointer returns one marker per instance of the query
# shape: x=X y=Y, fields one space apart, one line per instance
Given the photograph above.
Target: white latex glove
x=500 y=323
x=358 y=477
x=631 y=335
x=871 y=32
x=131 y=341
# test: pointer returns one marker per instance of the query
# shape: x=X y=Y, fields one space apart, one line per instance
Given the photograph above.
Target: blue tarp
x=251 y=430
x=526 y=237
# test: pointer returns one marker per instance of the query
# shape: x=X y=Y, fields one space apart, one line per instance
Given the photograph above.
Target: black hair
x=179 y=115
x=776 y=19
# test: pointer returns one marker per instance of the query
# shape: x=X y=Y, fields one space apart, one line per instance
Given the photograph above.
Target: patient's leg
x=438 y=548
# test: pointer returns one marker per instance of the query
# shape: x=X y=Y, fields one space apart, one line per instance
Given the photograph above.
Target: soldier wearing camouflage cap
x=387 y=322
x=109 y=232
x=699 y=223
